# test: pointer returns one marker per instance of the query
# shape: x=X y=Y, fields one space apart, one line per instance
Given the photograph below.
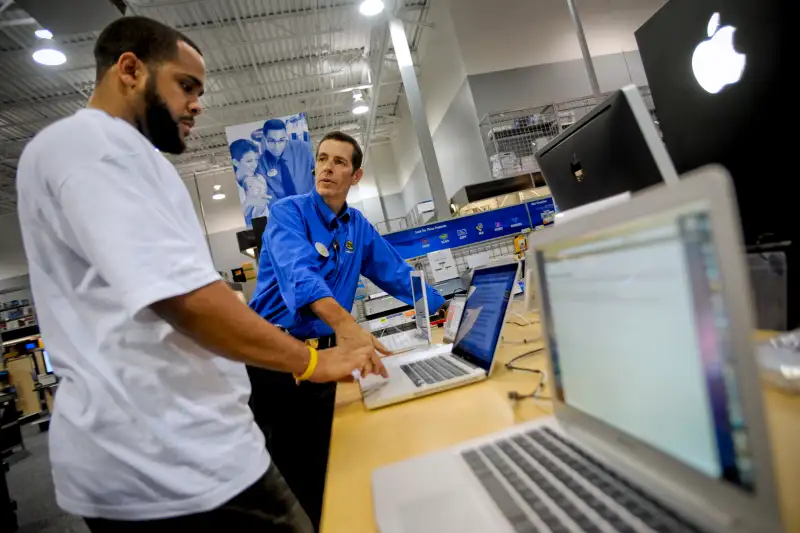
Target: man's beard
x=158 y=124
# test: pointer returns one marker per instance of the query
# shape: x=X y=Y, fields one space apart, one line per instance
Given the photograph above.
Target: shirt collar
x=330 y=218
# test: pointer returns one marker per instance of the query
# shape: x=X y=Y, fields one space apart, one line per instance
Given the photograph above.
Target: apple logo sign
x=715 y=62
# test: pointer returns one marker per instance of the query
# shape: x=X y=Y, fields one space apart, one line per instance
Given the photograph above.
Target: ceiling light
x=218 y=196
x=217 y=187
x=50 y=57
x=360 y=106
x=370 y=8
x=43 y=34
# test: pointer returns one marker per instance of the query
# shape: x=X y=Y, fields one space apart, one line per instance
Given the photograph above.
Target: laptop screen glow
x=484 y=313
x=48 y=367
x=638 y=333
x=420 y=308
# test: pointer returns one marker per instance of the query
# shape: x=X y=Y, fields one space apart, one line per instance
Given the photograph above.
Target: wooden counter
x=362 y=440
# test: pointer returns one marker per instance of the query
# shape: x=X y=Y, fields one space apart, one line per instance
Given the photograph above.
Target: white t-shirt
x=147 y=424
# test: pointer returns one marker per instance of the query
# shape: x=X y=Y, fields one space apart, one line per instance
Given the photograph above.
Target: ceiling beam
x=75 y=96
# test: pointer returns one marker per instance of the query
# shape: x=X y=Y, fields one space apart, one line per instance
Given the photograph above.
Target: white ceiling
x=506 y=34
x=264 y=58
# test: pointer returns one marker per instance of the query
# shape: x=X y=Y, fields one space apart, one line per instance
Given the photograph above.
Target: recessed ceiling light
x=49 y=57
x=43 y=34
x=370 y=8
x=218 y=196
x=217 y=187
x=360 y=106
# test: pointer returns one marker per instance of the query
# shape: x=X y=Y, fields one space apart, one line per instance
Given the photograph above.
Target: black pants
x=266 y=506
x=296 y=420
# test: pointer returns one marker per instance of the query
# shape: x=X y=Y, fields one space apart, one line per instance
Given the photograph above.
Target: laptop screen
x=420 y=309
x=48 y=367
x=639 y=338
x=484 y=313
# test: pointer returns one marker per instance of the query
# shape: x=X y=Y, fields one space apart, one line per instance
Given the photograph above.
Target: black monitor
x=612 y=150
x=690 y=49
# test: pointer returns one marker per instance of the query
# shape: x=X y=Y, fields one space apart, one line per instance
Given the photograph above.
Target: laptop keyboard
x=540 y=481
x=432 y=370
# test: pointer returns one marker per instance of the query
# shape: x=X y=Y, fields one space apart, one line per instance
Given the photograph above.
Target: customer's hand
x=338 y=364
x=351 y=336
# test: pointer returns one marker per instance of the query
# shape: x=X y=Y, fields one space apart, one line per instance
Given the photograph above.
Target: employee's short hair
x=358 y=155
x=273 y=124
x=151 y=41
x=239 y=147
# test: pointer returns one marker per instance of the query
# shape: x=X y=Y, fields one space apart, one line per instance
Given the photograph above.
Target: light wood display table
x=362 y=440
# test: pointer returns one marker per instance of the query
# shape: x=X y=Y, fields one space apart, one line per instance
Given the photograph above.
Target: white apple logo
x=715 y=62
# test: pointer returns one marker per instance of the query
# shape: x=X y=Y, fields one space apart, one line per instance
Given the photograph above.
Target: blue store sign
x=460 y=231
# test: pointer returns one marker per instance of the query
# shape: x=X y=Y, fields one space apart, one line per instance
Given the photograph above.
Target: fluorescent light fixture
x=370 y=8
x=218 y=196
x=217 y=187
x=50 y=57
x=360 y=106
x=43 y=34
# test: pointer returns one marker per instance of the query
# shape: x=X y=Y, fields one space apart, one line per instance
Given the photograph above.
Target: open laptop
x=420 y=336
x=658 y=420
x=612 y=150
x=469 y=359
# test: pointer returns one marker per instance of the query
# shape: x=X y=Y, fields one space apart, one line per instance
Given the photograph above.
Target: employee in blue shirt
x=314 y=249
x=287 y=164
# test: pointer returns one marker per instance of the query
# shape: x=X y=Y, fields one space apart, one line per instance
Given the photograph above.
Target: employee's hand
x=351 y=336
x=338 y=364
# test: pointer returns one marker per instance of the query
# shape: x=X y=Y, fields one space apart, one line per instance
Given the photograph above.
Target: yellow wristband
x=312 y=365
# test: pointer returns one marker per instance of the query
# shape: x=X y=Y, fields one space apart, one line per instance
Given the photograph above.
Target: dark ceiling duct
x=74 y=16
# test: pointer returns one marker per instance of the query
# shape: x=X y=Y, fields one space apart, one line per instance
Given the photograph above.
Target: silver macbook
x=420 y=336
x=469 y=359
x=658 y=420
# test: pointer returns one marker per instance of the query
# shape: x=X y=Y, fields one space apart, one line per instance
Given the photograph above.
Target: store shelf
x=15 y=307
x=9 y=330
x=6 y=321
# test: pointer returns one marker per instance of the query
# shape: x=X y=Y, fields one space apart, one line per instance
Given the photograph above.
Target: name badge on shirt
x=272 y=172
x=321 y=249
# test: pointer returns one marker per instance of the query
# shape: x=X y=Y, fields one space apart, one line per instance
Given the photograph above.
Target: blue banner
x=542 y=212
x=462 y=231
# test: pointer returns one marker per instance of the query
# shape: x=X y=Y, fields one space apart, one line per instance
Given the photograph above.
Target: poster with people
x=272 y=159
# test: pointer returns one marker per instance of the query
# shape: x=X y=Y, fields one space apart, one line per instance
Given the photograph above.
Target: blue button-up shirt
x=289 y=174
x=292 y=273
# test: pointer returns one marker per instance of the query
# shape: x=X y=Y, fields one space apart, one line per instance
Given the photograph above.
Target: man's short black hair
x=149 y=39
x=358 y=155
x=274 y=124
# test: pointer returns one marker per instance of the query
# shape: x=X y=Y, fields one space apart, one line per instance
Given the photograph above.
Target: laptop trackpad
x=443 y=511
x=434 y=494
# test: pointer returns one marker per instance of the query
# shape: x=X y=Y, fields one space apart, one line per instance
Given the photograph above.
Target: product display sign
x=460 y=231
x=542 y=212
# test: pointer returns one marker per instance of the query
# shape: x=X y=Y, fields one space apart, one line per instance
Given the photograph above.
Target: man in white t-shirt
x=151 y=428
